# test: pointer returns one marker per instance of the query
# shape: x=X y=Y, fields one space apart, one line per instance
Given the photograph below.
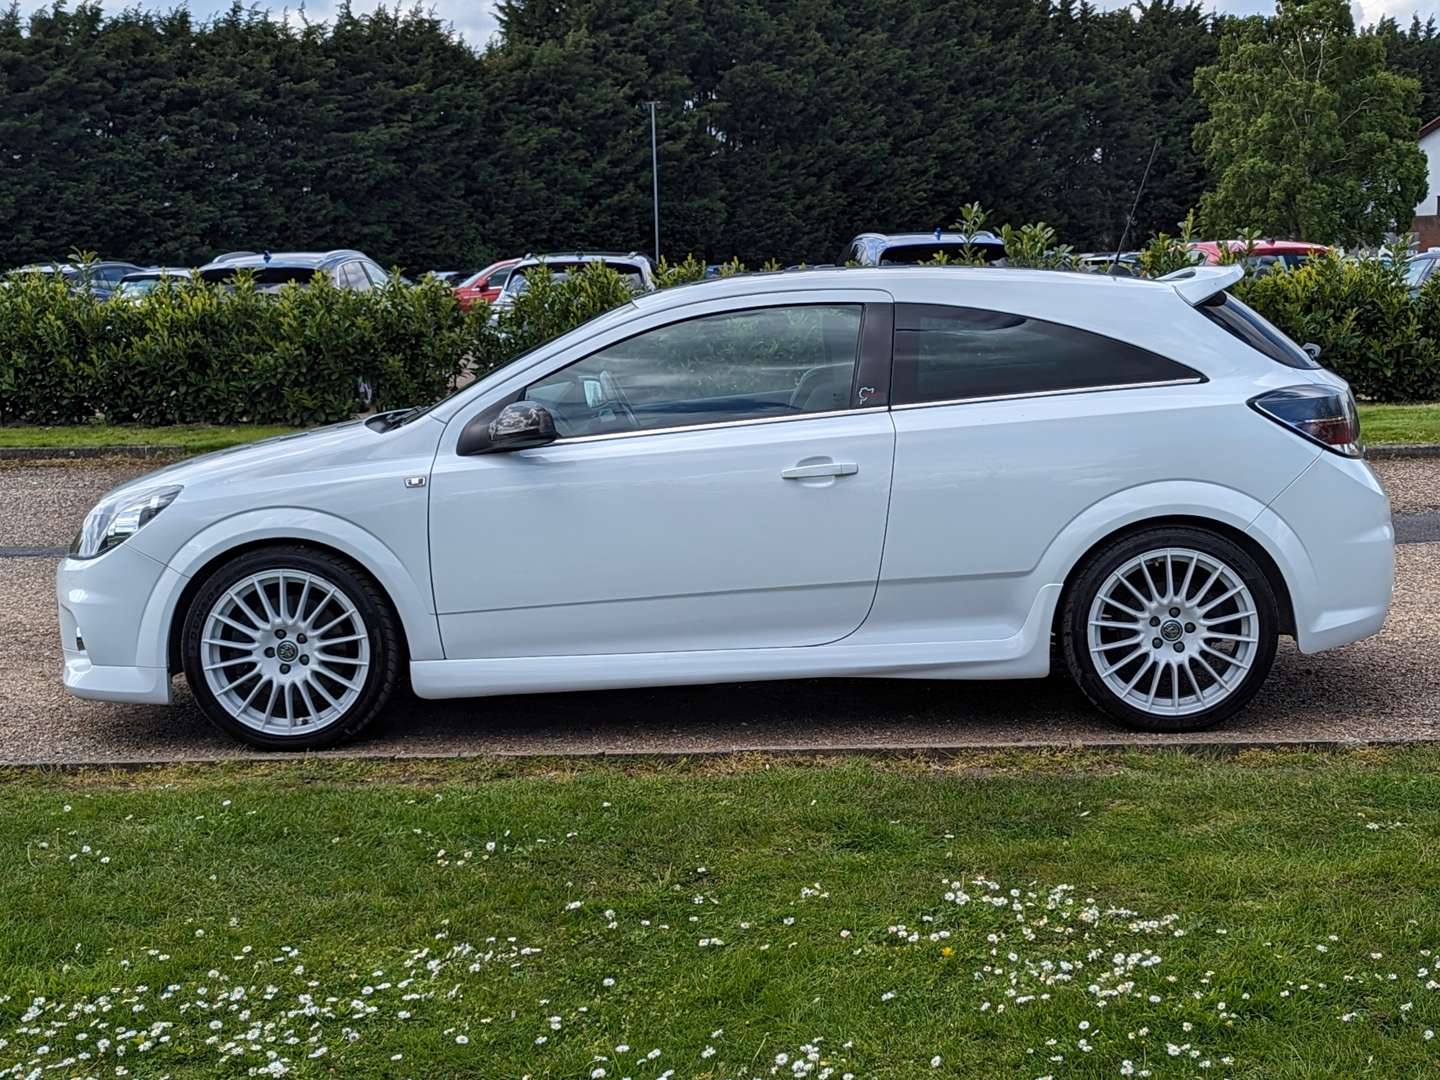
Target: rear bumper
x=106 y=610
x=1331 y=534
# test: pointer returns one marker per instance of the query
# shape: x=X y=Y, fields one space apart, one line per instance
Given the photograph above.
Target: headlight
x=114 y=520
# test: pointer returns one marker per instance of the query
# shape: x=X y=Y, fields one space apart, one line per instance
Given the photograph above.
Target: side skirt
x=1024 y=655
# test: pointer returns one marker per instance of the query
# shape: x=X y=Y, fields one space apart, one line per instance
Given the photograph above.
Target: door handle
x=827 y=468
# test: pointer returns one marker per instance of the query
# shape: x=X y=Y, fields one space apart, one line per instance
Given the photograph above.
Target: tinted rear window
x=1248 y=325
x=914 y=254
x=947 y=353
x=266 y=278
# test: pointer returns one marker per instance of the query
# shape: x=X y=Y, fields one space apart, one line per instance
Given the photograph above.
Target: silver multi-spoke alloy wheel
x=1173 y=631
x=285 y=652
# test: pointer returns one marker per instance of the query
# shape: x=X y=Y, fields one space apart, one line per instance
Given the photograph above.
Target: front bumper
x=114 y=640
x=1334 y=541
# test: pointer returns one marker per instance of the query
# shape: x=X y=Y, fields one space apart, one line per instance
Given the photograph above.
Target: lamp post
x=654 y=178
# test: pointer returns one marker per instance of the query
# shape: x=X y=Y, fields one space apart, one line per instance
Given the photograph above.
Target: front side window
x=947 y=353
x=741 y=365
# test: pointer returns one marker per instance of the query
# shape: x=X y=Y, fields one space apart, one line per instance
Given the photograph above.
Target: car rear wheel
x=1170 y=630
x=288 y=648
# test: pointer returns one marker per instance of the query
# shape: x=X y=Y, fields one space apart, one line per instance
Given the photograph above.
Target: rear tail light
x=1322 y=414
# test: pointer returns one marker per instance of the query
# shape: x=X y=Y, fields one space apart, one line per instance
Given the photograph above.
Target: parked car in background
x=484 y=285
x=1265 y=254
x=346 y=268
x=908 y=249
x=1128 y=264
x=937 y=473
x=100 y=278
x=450 y=278
x=134 y=286
x=633 y=267
x=1420 y=267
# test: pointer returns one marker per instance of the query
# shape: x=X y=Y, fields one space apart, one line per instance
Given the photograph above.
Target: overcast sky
x=476 y=19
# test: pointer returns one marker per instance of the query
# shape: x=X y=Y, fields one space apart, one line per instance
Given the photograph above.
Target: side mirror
x=521 y=425
x=1312 y=350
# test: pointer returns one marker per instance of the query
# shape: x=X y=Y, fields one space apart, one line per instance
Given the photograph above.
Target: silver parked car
x=346 y=268
x=910 y=249
x=633 y=267
x=133 y=286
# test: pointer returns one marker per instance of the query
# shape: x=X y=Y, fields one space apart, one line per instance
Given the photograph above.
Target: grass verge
x=1391 y=424
x=1267 y=915
x=196 y=438
x=1382 y=425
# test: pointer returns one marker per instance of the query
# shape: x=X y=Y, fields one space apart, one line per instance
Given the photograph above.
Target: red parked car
x=1288 y=253
x=485 y=285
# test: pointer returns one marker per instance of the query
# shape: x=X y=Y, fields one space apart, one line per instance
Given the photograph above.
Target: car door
x=720 y=482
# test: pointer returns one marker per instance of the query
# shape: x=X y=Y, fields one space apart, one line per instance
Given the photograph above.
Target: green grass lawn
x=1272 y=915
x=196 y=438
x=1381 y=424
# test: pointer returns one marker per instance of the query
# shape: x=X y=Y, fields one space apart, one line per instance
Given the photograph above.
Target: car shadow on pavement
x=1342 y=696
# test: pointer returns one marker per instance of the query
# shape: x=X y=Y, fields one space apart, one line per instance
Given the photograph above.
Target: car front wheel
x=289 y=648
x=1170 y=630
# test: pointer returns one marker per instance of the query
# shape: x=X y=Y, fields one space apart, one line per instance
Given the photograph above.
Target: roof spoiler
x=1196 y=284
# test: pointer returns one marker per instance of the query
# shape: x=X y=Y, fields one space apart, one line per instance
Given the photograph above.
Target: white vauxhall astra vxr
x=936 y=473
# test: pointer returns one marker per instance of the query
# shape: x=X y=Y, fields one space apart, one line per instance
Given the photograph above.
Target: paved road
x=1382 y=689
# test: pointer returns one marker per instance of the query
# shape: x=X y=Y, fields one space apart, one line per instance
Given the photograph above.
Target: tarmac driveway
x=1383 y=689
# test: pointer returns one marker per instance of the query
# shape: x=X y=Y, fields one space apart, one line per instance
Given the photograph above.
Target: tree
x=784 y=129
x=1416 y=52
x=1309 y=135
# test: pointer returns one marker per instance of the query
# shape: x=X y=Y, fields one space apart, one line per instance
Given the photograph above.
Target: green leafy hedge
x=193 y=352
x=1361 y=314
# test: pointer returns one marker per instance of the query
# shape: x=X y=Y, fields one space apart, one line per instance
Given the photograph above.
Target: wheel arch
x=175 y=630
x=401 y=576
x=1241 y=539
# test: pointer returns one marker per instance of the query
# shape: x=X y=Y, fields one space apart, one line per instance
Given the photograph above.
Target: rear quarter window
x=945 y=353
x=1243 y=322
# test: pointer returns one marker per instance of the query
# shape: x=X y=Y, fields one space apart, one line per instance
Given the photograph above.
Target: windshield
x=1416 y=269
x=139 y=286
x=516 y=283
x=47 y=271
x=268 y=279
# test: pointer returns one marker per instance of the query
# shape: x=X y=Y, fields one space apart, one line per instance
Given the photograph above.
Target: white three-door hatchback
x=936 y=473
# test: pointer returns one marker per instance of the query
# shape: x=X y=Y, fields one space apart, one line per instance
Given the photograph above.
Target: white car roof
x=1021 y=291
x=1151 y=313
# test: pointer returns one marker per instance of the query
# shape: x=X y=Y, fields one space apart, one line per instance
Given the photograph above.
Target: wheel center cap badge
x=287 y=651
x=1171 y=631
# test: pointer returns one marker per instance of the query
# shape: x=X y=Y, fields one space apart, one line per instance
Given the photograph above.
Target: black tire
x=1091 y=577
x=386 y=647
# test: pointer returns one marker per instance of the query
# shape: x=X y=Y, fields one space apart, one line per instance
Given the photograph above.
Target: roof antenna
x=1130 y=217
